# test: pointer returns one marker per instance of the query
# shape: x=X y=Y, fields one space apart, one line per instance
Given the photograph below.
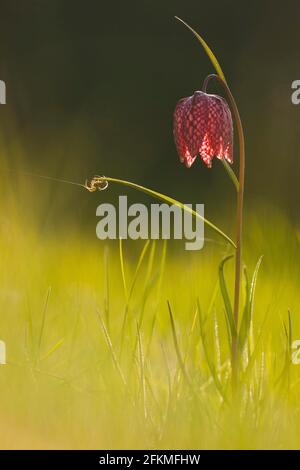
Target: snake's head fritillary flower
x=203 y=126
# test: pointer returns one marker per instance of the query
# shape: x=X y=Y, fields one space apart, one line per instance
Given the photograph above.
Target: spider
x=97 y=183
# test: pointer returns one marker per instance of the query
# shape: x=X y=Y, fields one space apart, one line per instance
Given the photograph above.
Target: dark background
x=92 y=85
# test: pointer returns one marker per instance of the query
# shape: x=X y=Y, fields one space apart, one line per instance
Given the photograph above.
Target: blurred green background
x=91 y=88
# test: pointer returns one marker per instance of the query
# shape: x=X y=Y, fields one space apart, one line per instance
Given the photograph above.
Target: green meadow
x=97 y=359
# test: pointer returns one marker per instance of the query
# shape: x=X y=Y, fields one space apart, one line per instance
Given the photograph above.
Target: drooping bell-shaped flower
x=203 y=126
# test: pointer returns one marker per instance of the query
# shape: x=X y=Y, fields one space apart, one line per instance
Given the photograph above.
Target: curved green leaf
x=226 y=299
x=248 y=310
x=246 y=319
x=207 y=49
x=231 y=174
x=169 y=200
x=210 y=363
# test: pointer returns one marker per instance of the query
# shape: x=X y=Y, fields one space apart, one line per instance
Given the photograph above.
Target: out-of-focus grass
x=78 y=376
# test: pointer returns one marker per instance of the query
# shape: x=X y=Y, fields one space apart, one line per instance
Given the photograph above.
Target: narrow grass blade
x=142 y=370
x=162 y=265
x=123 y=268
x=138 y=267
x=285 y=374
x=29 y=335
x=151 y=261
x=168 y=371
x=149 y=281
x=135 y=276
x=217 y=341
x=43 y=323
x=210 y=364
x=153 y=323
x=111 y=349
x=147 y=290
x=150 y=285
x=248 y=310
x=207 y=49
x=178 y=353
x=225 y=295
x=53 y=349
x=106 y=277
x=290 y=333
x=246 y=318
x=170 y=393
x=253 y=357
x=189 y=337
x=231 y=174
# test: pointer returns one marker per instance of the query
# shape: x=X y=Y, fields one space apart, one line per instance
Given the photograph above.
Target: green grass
x=96 y=359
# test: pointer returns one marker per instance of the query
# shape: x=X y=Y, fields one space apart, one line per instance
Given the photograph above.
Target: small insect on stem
x=97 y=183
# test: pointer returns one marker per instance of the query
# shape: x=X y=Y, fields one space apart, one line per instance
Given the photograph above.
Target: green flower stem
x=239 y=222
